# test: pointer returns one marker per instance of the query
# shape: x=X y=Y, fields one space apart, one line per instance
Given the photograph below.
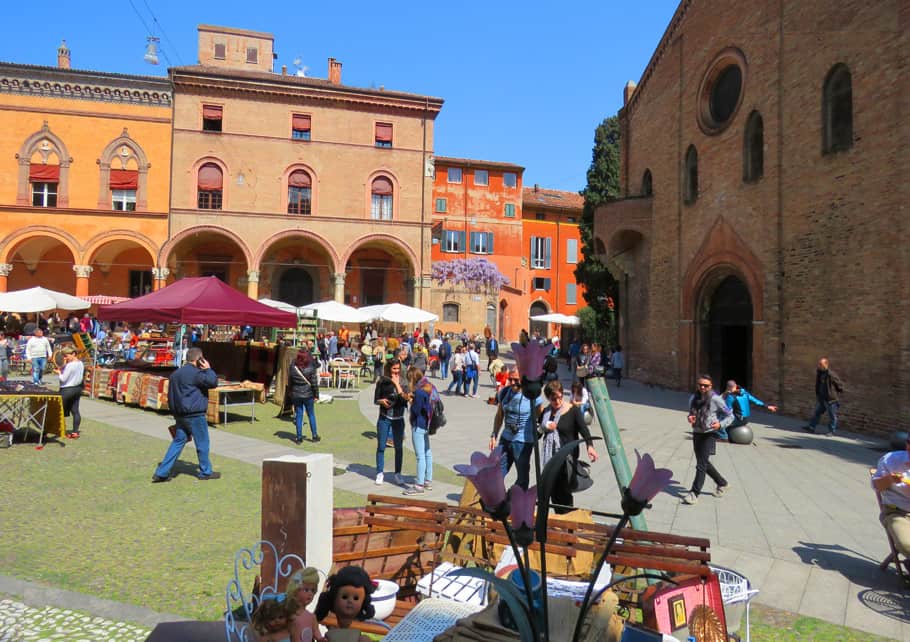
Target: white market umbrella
x=398 y=313
x=557 y=317
x=280 y=305
x=40 y=300
x=333 y=311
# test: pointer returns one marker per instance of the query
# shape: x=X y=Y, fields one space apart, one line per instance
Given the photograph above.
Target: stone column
x=159 y=277
x=339 y=287
x=5 y=269
x=252 y=284
x=82 y=274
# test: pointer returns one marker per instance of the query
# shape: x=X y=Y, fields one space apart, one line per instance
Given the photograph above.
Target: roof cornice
x=296 y=88
x=54 y=82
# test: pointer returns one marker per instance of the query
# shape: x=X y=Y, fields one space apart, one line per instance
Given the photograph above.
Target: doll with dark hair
x=270 y=619
x=347 y=595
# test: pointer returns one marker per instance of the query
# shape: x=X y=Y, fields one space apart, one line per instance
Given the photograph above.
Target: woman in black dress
x=560 y=423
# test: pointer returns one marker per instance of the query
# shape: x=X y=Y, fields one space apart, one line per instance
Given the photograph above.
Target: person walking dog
x=187 y=394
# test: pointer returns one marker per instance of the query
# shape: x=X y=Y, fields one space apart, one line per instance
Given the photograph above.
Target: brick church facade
x=763 y=220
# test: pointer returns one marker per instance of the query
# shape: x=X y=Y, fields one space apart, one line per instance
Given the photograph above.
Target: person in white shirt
x=37 y=351
x=892 y=481
x=71 y=377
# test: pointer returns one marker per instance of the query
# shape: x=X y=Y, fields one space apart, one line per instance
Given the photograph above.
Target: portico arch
x=207 y=250
x=297 y=267
x=380 y=268
x=122 y=263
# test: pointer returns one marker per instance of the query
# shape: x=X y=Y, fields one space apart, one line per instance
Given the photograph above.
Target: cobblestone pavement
x=22 y=623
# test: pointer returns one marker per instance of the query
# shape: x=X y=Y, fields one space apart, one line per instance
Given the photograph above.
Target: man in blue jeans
x=37 y=351
x=516 y=416
x=187 y=395
x=828 y=387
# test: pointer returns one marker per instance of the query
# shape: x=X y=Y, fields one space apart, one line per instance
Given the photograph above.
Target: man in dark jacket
x=828 y=387
x=187 y=396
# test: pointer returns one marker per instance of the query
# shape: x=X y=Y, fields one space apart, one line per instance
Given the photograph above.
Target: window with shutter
x=383 y=134
x=572 y=251
x=211 y=118
x=300 y=127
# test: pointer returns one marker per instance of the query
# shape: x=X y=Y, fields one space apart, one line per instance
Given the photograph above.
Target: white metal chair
x=735 y=589
x=325 y=378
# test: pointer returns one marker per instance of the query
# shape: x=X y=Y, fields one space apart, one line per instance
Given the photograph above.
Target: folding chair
x=735 y=589
x=901 y=563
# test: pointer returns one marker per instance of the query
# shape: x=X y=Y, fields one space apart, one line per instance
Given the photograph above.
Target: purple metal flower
x=523 y=502
x=646 y=483
x=485 y=473
x=530 y=358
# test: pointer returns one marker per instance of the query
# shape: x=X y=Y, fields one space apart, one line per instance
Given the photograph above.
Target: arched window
x=43 y=170
x=690 y=185
x=837 y=110
x=300 y=193
x=210 y=184
x=450 y=312
x=123 y=171
x=381 y=203
x=646 y=188
x=754 y=148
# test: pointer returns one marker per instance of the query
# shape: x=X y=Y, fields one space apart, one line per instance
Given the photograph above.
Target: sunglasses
x=514 y=380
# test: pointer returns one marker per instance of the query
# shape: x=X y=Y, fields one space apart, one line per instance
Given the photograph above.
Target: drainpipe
x=423 y=202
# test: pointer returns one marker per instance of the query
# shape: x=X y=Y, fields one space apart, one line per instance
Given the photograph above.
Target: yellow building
x=84 y=178
x=295 y=188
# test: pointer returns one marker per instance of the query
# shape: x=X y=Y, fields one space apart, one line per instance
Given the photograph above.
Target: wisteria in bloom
x=476 y=274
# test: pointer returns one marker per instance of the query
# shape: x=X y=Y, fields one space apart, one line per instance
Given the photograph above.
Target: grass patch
x=774 y=625
x=84 y=516
x=344 y=430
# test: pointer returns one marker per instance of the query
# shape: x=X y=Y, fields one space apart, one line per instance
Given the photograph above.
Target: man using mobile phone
x=188 y=399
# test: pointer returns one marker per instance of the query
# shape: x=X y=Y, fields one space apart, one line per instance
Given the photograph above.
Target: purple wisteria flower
x=476 y=274
x=646 y=483
x=485 y=472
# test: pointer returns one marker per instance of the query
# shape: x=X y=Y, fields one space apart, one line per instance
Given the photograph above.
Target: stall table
x=230 y=396
x=32 y=407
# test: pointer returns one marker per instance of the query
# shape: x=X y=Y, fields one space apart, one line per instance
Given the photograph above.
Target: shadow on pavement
x=857 y=568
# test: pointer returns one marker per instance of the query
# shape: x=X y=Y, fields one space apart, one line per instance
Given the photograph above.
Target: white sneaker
x=396 y=478
x=379 y=479
x=690 y=498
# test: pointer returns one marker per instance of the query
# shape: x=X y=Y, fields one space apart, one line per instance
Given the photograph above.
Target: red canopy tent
x=204 y=299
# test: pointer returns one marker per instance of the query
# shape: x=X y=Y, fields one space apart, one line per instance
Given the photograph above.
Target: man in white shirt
x=892 y=480
x=37 y=351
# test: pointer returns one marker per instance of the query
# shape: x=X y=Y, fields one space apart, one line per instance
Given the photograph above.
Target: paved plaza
x=799 y=520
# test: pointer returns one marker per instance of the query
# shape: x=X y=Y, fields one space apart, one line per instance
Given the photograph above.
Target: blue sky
x=524 y=83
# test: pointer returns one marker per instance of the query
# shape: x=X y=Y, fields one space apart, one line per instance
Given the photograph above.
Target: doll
x=347 y=595
x=270 y=619
x=302 y=588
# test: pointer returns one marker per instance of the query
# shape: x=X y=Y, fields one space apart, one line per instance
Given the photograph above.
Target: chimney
x=628 y=91
x=63 y=56
x=536 y=188
x=334 y=71
x=284 y=70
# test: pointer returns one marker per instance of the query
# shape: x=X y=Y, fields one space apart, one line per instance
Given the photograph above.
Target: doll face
x=349 y=601
x=305 y=594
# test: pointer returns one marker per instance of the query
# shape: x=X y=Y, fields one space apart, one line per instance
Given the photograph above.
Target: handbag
x=581 y=371
x=581 y=480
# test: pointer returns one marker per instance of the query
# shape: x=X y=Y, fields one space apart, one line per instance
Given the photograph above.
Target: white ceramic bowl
x=383 y=598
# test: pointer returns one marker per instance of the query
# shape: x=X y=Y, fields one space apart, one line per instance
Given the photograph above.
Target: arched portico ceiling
x=31 y=249
x=215 y=241
x=624 y=250
x=104 y=248
x=296 y=248
x=396 y=249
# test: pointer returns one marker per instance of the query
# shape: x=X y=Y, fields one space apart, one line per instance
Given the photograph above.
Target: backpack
x=550 y=364
x=437 y=418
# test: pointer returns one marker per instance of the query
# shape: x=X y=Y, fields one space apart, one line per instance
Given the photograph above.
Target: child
x=347 y=595
x=270 y=620
x=302 y=588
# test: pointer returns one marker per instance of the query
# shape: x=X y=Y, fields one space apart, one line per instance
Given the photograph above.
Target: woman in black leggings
x=71 y=376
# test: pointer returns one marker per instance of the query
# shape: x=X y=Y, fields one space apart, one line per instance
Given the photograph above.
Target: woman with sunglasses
x=560 y=423
x=517 y=413
x=708 y=415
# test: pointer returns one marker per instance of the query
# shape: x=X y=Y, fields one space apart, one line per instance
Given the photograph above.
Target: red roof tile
x=543 y=197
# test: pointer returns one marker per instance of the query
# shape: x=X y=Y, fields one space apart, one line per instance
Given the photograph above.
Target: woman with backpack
x=422 y=395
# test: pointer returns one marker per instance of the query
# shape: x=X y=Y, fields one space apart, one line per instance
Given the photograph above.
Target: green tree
x=601 y=289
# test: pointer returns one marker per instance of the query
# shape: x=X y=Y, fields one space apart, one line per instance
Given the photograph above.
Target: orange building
x=481 y=210
x=84 y=178
x=294 y=188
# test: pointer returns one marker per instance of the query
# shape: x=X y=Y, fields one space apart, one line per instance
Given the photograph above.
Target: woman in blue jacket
x=421 y=409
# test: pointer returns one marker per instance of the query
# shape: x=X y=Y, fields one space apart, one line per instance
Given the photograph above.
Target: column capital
x=5 y=269
x=252 y=276
x=160 y=273
x=339 y=278
x=83 y=271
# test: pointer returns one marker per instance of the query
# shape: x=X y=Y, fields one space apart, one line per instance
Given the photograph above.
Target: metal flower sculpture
x=485 y=472
x=530 y=356
x=516 y=513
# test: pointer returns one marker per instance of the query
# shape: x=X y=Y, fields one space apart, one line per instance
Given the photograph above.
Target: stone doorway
x=541 y=327
x=726 y=326
x=296 y=287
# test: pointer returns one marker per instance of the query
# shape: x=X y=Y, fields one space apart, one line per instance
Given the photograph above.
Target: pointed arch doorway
x=725 y=329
